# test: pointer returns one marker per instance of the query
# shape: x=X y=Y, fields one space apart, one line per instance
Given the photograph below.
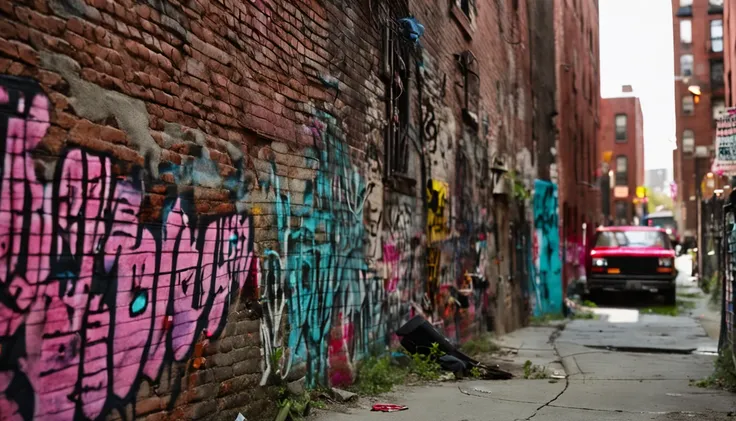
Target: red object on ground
x=388 y=407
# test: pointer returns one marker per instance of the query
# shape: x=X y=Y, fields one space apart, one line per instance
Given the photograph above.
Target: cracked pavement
x=602 y=382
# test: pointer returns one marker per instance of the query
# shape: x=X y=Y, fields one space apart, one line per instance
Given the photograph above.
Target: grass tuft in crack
x=481 y=345
x=378 y=375
x=534 y=372
x=426 y=367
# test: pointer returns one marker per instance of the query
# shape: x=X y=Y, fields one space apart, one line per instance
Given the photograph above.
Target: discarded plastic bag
x=388 y=407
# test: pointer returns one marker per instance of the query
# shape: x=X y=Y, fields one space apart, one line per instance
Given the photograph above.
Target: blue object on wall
x=547 y=267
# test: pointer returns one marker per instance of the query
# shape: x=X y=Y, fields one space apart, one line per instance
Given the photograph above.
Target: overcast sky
x=636 y=49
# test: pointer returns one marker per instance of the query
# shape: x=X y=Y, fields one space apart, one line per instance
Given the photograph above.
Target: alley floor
x=627 y=365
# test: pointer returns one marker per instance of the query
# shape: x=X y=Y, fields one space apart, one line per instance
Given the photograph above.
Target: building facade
x=578 y=123
x=729 y=51
x=622 y=138
x=699 y=97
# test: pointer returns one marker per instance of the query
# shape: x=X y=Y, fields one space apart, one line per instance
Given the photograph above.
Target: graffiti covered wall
x=194 y=210
x=547 y=265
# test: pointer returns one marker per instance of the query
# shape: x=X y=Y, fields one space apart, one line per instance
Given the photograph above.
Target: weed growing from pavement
x=378 y=375
x=689 y=295
x=481 y=345
x=681 y=307
x=426 y=367
x=588 y=303
x=546 y=318
x=534 y=372
x=724 y=375
x=714 y=285
x=475 y=373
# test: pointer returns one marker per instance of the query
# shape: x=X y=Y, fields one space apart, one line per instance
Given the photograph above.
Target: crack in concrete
x=552 y=338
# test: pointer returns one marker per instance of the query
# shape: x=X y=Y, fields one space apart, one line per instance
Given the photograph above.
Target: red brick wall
x=701 y=122
x=633 y=148
x=198 y=206
x=578 y=87
x=729 y=51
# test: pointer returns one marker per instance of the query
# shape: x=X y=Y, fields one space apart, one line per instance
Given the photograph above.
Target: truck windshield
x=632 y=239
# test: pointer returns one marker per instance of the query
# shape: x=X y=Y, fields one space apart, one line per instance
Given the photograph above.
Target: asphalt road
x=628 y=365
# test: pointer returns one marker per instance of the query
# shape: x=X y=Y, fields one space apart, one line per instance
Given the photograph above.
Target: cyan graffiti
x=321 y=266
x=547 y=267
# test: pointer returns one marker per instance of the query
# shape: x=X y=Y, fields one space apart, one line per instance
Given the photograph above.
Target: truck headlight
x=665 y=262
x=600 y=262
x=668 y=231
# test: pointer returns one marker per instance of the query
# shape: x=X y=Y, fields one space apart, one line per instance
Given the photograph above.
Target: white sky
x=636 y=49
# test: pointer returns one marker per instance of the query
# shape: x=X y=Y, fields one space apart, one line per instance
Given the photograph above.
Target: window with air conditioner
x=688 y=105
x=688 y=141
x=686 y=65
x=719 y=108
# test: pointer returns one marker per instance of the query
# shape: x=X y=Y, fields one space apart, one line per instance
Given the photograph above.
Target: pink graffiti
x=99 y=294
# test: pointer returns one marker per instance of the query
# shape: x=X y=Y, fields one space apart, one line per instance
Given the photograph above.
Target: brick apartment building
x=699 y=66
x=729 y=51
x=578 y=123
x=622 y=136
x=208 y=199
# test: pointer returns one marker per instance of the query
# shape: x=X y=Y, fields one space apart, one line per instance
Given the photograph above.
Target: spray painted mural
x=547 y=266
x=99 y=289
x=335 y=302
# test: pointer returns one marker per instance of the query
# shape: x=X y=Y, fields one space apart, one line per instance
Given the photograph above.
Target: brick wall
x=578 y=88
x=202 y=199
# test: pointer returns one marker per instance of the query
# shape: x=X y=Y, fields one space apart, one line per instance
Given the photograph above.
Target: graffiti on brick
x=334 y=300
x=99 y=289
x=547 y=268
x=437 y=218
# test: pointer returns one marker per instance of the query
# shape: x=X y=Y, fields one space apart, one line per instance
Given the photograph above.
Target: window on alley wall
x=397 y=71
x=716 y=73
x=621 y=128
x=686 y=8
x=622 y=170
x=715 y=6
x=688 y=141
x=686 y=32
x=719 y=108
x=688 y=105
x=686 y=65
x=716 y=36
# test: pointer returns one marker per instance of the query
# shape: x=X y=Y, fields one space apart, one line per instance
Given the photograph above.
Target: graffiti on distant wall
x=99 y=289
x=547 y=269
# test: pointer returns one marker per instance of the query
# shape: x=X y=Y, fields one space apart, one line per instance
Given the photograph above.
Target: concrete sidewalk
x=598 y=384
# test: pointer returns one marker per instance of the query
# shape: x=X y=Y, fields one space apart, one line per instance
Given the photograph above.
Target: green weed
x=534 y=372
x=475 y=373
x=588 y=303
x=377 y=375
x=689 y=295
x=546 y=318
x=426 y=367
x=724 y=374
x=481 y=345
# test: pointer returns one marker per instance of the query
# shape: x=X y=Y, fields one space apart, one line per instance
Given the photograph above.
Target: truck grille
x=635 y=265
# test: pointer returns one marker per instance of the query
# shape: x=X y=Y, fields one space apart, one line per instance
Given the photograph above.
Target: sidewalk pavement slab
x=643 y=396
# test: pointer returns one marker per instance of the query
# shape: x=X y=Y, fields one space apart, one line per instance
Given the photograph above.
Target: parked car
x=632 y=258
x=664 y=220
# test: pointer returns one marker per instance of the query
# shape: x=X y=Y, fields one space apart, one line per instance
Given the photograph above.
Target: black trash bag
x=452 y=364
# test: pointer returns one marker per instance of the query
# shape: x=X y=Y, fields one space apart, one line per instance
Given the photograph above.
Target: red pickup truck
x=632 y=258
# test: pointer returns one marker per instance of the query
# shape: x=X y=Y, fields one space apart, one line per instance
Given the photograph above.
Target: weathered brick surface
x=232 y=213
x=701 y=121
x=578 y=124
